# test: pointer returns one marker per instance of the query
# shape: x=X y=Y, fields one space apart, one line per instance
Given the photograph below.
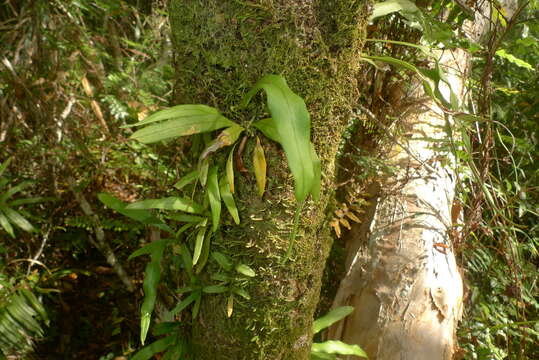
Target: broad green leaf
x=268 y=128
x=170 y=203
x=292 y=121
x=259 y=164
x=18 y=219
x=230 y=169
x=199 y=241
x=331 y=317
x=153 y=247
x=181 y=120
x=338 y=347
x=186 y=180
x=143 y=216
x=156 y=347
x=214 y=197
x=391 y=6
x=245 y=270
x=228 y=199
x=214 y=289
x=223 y=260
x=513 y=59
x=6 y=225
x=227 y=137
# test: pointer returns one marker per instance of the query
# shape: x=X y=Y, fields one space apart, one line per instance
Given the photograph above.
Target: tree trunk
x=402 y=278
x=221 y=49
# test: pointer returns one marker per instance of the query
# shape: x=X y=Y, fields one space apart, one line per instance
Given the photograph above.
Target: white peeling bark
x=402 y=278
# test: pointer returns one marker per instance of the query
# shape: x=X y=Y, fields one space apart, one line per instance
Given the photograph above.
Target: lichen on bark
x=221 y=49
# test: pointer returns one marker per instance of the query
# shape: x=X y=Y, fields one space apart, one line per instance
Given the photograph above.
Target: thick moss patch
x=222 y=48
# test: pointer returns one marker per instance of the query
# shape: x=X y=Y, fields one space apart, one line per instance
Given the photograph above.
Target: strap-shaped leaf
x=4 y=222
x=214 y=198
x=180 y=120
x=143 y=216
x=228 y=199
x=158 y=346
x=292 y=122
x=18 y=219
x=331 y=317
x=170 y=203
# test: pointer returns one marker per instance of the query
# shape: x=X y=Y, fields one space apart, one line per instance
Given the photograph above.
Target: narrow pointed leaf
x=292 y=122
x=230 y=169
x=204 y=254
x=214 y=197
x=18 y=219
x=203 y=167
x=338 y=347
x=245 y=270
x=170 y=203
x=15 y=189
x=184 y=303
x=143 y=216
x=331 y=317
x=186 y=180
x=4 y=165
x=181 y=120
x=223 y=260
x=196 y=306
x=259 y=163
x=241 y=293
x=214 y=289
x=228 y=199
x=153 y=247
x=4 y=222
x=199 y=241
x=156 y=347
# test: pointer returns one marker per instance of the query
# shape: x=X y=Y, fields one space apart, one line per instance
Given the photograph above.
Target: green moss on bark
x=221 y=49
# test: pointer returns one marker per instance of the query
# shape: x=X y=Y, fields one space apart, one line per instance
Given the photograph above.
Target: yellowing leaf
x=336 y=227
x=259 y=163
x=230 y=306
x=230 y=170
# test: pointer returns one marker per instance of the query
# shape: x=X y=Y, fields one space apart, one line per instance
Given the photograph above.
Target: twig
x=39 y=252
x=99 y=241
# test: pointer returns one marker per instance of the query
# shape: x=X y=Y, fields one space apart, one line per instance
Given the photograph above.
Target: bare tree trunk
x=402 y=278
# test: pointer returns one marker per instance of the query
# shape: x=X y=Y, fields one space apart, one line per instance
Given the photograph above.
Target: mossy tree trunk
x=221 y=49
